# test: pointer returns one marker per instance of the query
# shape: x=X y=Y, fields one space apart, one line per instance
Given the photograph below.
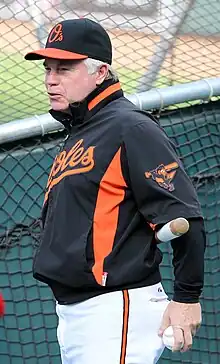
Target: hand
x=185 y=318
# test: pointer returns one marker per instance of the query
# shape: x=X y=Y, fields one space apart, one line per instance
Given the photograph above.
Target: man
x=98 y=252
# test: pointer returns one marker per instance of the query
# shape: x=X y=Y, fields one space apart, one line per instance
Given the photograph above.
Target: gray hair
x=93 y=64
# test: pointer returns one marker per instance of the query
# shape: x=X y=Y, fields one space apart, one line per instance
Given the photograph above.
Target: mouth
x=54 y=95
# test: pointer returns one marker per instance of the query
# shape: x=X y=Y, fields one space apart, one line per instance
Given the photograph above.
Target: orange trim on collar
x=107 y=92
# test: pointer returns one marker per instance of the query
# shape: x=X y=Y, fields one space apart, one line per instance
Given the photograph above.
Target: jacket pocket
x=78 y=260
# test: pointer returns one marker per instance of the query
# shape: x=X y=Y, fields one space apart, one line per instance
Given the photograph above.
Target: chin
x=59 y=106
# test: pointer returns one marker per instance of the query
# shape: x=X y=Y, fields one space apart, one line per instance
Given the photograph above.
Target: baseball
x=168 y=338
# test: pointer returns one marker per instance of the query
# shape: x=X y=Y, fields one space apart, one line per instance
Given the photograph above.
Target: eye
x=63 y=69
x=47 y=69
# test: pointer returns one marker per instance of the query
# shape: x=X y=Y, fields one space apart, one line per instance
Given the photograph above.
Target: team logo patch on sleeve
x=163 y=175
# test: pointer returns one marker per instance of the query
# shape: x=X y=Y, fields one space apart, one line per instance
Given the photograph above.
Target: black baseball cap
x=76 y=39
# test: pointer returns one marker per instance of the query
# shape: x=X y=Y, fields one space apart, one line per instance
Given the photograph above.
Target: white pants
x=113 y=328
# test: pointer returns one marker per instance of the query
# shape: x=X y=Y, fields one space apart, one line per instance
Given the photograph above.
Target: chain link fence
x=156 y=43
x=28 y=330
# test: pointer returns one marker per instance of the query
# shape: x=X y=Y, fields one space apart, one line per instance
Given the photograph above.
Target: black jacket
x=117 y=176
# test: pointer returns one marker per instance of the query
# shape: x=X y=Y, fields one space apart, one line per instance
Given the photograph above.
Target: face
x=67 y=82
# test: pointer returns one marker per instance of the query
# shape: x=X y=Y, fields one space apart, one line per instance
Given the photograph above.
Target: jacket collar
x=83 y=111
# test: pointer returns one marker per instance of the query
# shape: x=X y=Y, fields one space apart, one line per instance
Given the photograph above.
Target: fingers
x=183 y=338
x=187 y=340
x=178 y=334
x=194 y=329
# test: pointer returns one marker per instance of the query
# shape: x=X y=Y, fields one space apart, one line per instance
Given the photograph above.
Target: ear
x=101 y=74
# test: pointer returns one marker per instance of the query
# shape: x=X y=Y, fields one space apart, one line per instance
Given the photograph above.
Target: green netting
x=196 y=131
x=156 y=43
x=28 y=330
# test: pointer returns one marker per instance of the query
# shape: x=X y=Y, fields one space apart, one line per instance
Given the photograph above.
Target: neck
x=79 y=112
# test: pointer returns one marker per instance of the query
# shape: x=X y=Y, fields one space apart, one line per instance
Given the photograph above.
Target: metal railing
x=40 y=125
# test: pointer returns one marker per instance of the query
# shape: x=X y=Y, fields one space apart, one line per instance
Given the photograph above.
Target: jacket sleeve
x=188 y=262
x=163 y=191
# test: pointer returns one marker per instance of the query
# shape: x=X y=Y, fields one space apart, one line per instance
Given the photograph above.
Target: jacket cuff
x=186 y=297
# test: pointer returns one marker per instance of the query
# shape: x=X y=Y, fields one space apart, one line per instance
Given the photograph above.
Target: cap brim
x=53 y=53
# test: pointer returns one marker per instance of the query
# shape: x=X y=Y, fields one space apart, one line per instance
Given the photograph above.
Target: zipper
x=63 y=142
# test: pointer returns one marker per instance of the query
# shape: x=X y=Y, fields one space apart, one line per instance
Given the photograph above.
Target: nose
x=52 y=78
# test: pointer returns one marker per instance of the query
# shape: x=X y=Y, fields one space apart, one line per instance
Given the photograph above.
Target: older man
x=98 y=251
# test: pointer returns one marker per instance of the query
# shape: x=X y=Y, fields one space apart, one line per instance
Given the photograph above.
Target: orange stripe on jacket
x=124 y=327
x=111 y=194
x=109 y=91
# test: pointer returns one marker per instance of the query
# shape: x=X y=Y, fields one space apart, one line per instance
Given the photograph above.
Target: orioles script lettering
x=76 y=161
